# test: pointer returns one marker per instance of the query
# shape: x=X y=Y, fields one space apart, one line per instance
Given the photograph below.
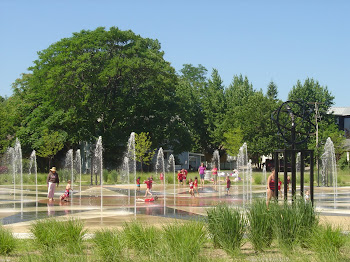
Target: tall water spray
x=98 y=164
x=77 y=164
x=264 y=182
x=329 y=168
x=216 y=162
x=245 y=171
x=160 y=168
x=171 y=169
x=10 y=161
x=14 y=160
x=34 y=169
x=69 y=166
x=130 y=161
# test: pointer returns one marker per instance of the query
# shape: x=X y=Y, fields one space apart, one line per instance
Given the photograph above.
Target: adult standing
x=201 y=171
x=52 y=180
x=270 y=187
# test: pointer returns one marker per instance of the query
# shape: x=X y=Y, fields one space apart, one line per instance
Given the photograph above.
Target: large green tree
x=189 y=96
x=100 y=82
x=318 y=96
x=214 y=108
x=249 y=115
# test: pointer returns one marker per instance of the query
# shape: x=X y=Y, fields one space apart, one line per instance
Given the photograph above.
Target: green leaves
x=143 y=148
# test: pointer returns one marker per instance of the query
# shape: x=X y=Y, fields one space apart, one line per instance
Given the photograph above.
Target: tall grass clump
x=183 y=242
x=293 y=222
x=7 y=241
x=308 y=217
x=110 y=245
x=260 y=227
x=326 y=242
x=143 y=239
x=51 y=234
x=226 y=227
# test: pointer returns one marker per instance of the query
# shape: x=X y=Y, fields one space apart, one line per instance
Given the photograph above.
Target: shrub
x=258 y=179
x=105 y=175
x=226 y=227
x=260 y=228
x=7 y=241
x=51 y=233
x=114 y=176
x=169 y=177
x=110 y=245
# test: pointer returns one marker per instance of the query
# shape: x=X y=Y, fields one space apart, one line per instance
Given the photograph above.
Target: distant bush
x=258 y=179
x=113 y=176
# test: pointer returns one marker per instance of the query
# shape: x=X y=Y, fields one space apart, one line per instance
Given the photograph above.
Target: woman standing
x=52 y=180
x=270 y=187
x=201 y=171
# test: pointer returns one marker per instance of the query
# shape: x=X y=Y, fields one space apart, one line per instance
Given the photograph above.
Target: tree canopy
x=101 y=82
x=110 y=83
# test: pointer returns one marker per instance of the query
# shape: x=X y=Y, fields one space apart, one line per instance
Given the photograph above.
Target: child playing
x=149 y=186
x=184 y=175
x=195 y=184
x=190 y=182
x=147 y=199
x=179 y=177
x=228 y=185
x=215 y=174
x=307 y=196
x=279 y=187
x=138 y=185
x=161 y=177
x=65 y=195
x=288 y=182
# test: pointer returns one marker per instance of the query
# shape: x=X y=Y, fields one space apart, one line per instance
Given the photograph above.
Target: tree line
x=110 y=83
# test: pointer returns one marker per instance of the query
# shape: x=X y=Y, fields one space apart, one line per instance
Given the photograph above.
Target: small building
x=342 y=119
x=186 y=160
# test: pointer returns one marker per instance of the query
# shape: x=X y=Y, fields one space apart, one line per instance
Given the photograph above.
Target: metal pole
x=312 y=176
x=276 y=174
x=302 y=167
x=294 y=175
x=285 y=188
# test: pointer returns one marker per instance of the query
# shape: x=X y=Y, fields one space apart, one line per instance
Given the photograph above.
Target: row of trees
x=110 y=83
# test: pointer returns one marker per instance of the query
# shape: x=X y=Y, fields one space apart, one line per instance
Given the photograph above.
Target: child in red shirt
x=151 y=199
x=228 y=184
x=195 y=184
x=180 y=177
x=184 y=175
x=191 y=187
x=149 y=186
x=161 y=177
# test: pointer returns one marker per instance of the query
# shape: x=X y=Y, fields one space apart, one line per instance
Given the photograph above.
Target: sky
x=280 y=41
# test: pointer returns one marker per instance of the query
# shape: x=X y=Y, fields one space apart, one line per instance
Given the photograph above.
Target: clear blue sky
x=267 y=40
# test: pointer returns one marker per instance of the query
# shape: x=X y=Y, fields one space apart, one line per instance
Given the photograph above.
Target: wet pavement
x=117 y=205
